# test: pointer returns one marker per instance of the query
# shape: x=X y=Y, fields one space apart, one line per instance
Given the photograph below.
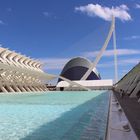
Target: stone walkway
x=131 y=108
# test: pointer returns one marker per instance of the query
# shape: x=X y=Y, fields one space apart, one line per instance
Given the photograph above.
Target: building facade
x=19 y=73
x=76 y=68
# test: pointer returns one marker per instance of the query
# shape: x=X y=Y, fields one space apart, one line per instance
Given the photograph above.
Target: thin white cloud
x=46 y=14
x=54 y=63
x=58 y=63
x=49 y=15
x=9 y=9
x=109 y=53
x=130 y=61
x=137 y=6
x=106 y=13
x=124 y=62
x=132 y=37
x=1 y=22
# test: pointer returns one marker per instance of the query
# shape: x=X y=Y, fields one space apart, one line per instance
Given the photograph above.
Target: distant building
x=76 y=68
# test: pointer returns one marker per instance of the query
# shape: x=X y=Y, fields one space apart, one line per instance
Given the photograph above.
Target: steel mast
x=115 y=56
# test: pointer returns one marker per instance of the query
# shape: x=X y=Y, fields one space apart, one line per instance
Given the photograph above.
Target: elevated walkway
x=119 y=125
x=132 y=110
x=127 y=91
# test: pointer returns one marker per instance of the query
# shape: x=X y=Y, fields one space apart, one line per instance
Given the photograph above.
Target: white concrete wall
x=130 y=83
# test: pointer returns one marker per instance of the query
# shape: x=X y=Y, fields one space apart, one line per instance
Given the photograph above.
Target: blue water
x=54 y=116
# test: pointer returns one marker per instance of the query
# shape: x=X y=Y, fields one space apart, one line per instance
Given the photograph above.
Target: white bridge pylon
x=94 y=64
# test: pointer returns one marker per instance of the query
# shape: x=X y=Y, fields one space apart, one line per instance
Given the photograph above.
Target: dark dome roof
x=76 y=68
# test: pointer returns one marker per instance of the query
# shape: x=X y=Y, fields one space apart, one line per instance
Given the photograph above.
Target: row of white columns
x=11 y=88
x=19 y=73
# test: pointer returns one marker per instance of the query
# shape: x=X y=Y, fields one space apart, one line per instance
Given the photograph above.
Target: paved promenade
x=131 y=108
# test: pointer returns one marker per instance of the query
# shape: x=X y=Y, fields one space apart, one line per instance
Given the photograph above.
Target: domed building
x=76 y=68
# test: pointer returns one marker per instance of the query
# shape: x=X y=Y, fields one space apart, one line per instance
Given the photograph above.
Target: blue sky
x=55 y=31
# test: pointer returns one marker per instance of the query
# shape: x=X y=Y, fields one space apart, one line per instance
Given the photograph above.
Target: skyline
x=46 y=29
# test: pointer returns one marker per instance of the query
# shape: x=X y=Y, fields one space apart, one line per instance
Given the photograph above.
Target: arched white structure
x=19 y=73
x=93 y=65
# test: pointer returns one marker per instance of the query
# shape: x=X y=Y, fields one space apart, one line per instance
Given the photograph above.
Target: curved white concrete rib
x=136 y=90
x=93 y=65
x=133 y=84
x=2 y=52
x=4 y=55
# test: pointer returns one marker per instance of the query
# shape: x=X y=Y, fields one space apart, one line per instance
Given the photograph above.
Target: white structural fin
x=93 y=65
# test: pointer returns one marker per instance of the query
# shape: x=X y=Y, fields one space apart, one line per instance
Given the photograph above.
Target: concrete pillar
x=40 y=88
x=4 y=90
x=10 y=89
x=19 y=90
x=44 y=89
x=134 y=83
x=135 y=91
x=27 y=88
x=36 y=88
x=22 y=89
x=31 y=88
x=16 y=88
x=127 y=83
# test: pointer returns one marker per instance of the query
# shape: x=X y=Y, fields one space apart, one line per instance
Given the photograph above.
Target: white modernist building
x=75 y=69
x=19 y=73
x=91 y=84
